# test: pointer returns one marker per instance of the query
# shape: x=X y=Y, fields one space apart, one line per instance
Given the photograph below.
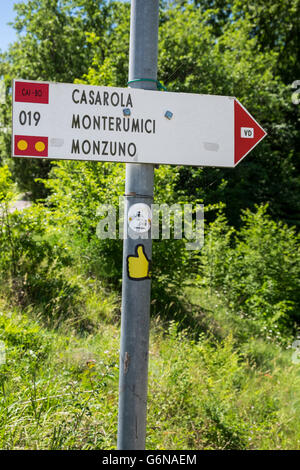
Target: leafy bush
x=76 y=191
x=257 y=269
x=32 y=259
x=60 y=391
x=203 y=394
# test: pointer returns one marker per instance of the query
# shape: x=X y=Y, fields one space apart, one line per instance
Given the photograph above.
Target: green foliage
x=240 y=49
x=201 y=46
x=60 y=391
x=219 y=377
x=31 y=263
x=53 y=44
x=257 y=269
x=7 y=192
x=191 y=59
x=204 y=395
x=109 y=66
x=77 y=189
x=275 y=26
x=50 y=397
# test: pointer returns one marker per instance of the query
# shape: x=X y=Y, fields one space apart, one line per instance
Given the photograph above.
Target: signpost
x=141 y=128
x=82 y=122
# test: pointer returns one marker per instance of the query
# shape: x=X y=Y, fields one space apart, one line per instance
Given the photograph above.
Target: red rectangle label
x=31 y=146
x=30 y=92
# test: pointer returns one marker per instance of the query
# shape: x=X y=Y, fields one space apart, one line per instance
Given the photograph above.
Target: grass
x=59 y=387
x=59 y=391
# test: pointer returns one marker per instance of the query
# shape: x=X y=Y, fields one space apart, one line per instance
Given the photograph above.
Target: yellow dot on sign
x=22 y=145
x=39 y=146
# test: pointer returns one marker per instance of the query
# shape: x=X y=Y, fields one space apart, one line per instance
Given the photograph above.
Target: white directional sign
x=82 y=122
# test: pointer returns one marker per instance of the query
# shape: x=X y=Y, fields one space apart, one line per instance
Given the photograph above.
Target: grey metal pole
x=136 y=290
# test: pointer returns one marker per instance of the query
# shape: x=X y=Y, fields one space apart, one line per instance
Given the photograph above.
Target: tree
x=243 y=49
x=52 y=45
x=246 y=35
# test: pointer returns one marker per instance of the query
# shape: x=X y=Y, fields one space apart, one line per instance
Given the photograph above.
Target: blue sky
x=7 y=14
x=7 y=33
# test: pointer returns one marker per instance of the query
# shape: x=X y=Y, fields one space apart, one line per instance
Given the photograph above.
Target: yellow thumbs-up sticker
x=138 y=265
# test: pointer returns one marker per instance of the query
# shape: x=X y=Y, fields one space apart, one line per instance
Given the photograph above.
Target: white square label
x=247 y=132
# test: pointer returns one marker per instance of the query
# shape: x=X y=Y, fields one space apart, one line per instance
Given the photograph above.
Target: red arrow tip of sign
x=247 y=132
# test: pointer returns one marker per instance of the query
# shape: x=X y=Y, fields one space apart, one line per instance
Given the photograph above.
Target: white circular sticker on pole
x=139 y=218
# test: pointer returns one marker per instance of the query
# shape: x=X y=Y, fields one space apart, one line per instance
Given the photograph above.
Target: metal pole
x=136 y=290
